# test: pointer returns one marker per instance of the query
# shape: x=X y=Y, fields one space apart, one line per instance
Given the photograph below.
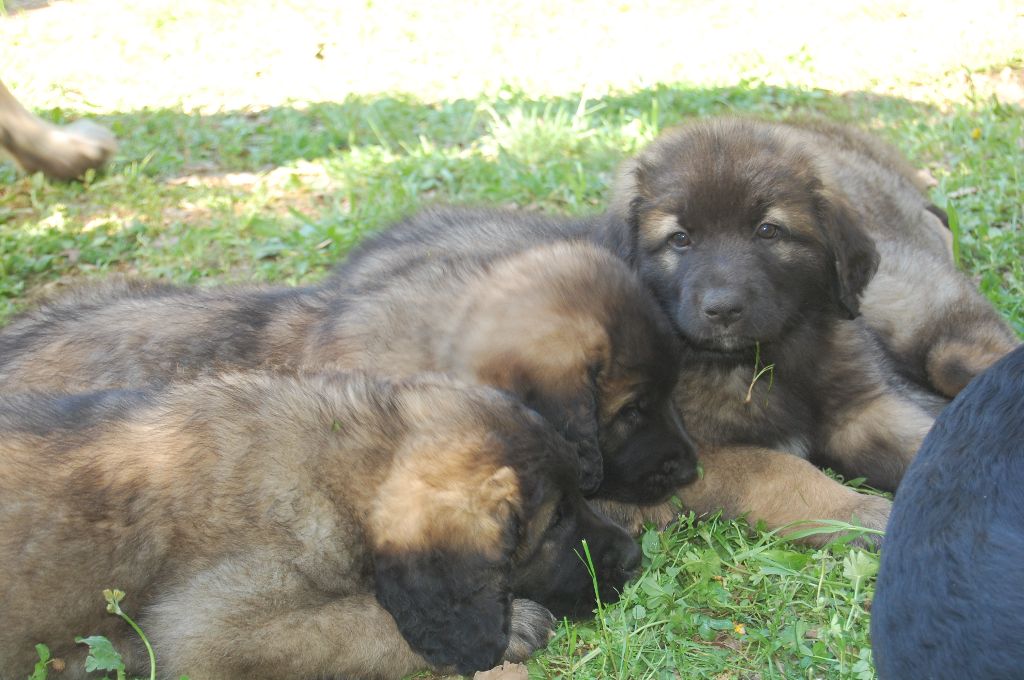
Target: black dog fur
x=950 y=595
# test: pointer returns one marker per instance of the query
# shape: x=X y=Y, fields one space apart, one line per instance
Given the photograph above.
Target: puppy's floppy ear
x=445 y=525
x=852 y=252
x=551 y=377
x=620 y=225
x=574 y=413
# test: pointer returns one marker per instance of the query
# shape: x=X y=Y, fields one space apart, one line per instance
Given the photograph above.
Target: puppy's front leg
x=256 y=621
x=779 y=489
x=876 y=438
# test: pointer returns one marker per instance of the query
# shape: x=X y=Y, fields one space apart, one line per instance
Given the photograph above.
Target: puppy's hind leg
x=62 y=153
x=937 y=325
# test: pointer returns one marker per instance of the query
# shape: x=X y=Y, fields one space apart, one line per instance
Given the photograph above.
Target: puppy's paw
x=870 y=512
x=633 y=518
x=532 y=628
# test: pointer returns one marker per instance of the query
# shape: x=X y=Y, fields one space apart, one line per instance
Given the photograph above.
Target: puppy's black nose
x=722 y=306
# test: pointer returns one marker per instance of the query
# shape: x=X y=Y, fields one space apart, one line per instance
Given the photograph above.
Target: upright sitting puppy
x=950 y=596
x=274 y=527
x=60 y=153
x=567 y=328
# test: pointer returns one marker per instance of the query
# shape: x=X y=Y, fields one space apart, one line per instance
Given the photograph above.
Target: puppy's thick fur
x=59 y=152
x=950 y=596
x=270 y=527
x=743 y=231
x=566 y=327
x=938 y=327
x=769 y=486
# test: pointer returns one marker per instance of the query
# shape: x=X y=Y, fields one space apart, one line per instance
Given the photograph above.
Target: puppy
x=60 y=153
x=949 y=602
x=768 y=485
x=566 y=327
x=303 y=527
x=758 y=257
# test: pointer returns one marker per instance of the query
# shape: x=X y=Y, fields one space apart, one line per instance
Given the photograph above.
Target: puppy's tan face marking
x=450 y=496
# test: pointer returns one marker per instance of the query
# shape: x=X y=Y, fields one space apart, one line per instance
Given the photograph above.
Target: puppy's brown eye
x=680 y=240
x=768 y=230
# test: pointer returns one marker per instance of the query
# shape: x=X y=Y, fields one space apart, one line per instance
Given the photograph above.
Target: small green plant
x=39 y=672
x=954 y=226
x=760 y=370
x=102 y=655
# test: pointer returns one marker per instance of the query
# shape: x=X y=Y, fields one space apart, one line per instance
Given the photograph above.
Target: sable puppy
x=566 y=327
x=746 y=236
x=950 y=596
x=59 y=152
x=377 y=527
x=933 y=320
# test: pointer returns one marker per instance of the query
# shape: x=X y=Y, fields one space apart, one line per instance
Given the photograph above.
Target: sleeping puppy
x=277 y=527
x=767 y=485
x=949 y=602
x=567 y=328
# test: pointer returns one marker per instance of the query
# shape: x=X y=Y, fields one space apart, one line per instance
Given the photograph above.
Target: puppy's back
x=950 y=595
x=134 y=333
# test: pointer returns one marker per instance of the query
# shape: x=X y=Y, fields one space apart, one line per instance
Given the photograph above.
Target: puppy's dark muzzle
x=616 y=568
x=590 y=480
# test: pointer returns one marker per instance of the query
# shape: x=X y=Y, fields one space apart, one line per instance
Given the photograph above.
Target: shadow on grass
x=168 y=141
x=283 y=192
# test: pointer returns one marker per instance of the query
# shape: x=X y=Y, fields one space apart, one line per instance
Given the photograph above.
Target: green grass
x=281 y=189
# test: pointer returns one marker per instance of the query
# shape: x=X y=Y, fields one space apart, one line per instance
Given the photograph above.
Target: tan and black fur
x=934 y=322
x=566 y=327
x=302 y=527
x=746 y=477
x=764 y=243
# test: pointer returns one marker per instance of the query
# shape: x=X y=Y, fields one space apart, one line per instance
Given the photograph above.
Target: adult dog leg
x=60 y=152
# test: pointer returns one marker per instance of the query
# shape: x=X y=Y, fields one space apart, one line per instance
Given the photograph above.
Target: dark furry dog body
x=950 y=596
x=267 y=526
x=566 y=327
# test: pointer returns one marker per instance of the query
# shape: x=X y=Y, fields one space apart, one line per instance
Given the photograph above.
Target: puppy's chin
x=727 y=345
